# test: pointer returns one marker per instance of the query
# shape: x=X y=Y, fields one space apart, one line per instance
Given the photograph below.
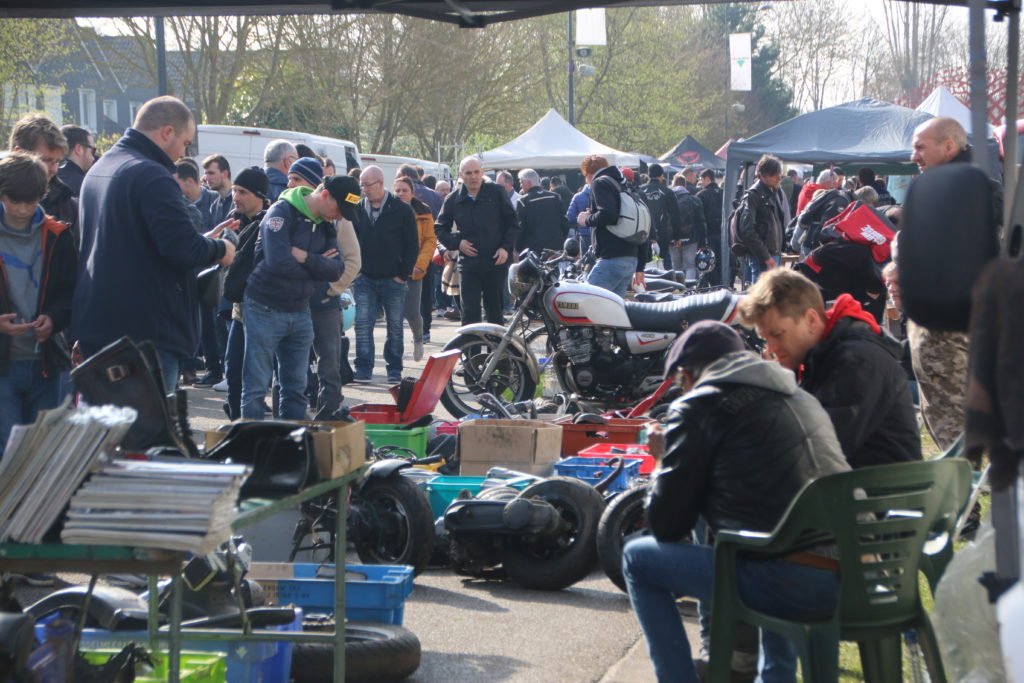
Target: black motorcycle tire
x=373 y=652
x=622 y=519
x=397 y=495
x=553 y=566
x=457 y=406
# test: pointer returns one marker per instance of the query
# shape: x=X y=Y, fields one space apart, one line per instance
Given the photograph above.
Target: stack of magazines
x=44 y=462
x=182 y=505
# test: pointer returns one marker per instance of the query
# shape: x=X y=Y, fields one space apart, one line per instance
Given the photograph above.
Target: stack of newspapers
x=45 y=462
x=182 y=505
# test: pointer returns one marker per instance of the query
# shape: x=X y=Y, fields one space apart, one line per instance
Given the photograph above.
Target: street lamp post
x=572 y=74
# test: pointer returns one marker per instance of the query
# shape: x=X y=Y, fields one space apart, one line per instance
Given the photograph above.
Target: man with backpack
x=821 y=209
x=693 y=230
x=756 y=227
x=619 y=262
x=665 y=218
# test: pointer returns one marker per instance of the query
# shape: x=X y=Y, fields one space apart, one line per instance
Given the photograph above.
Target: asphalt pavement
x=475 y=630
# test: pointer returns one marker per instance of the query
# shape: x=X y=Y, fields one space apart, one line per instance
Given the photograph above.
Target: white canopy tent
x=552 y=143
x=942 y=103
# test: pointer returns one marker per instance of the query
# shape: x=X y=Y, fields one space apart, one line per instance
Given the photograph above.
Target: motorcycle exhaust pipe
x=534 y=517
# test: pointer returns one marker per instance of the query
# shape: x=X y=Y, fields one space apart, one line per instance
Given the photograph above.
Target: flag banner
x=739 y=61
x=590 y=27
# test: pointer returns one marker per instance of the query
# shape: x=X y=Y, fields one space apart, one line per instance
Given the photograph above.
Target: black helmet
x=706 y=260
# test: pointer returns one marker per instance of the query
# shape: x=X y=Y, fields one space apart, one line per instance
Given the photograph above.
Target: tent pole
x=572 y=68
x=979 y=96
x=1010 y=137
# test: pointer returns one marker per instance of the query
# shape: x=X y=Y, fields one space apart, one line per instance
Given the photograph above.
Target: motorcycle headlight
x=517 y=285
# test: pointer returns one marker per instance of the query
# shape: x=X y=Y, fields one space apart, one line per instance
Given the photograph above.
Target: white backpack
x=634 y=224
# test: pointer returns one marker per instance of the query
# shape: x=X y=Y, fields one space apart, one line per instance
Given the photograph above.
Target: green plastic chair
x=879 y=518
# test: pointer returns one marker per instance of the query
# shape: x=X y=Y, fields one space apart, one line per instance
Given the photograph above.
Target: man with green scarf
x=296 y=252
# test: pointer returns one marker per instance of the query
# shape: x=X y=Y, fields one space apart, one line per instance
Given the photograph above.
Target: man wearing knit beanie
x=254 y=180
x=739 y=446
x=305 y=172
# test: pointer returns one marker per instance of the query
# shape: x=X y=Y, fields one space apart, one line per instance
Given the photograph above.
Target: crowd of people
x=246 y=270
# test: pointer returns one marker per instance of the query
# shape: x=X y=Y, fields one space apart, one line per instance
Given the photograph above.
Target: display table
x=97 y=560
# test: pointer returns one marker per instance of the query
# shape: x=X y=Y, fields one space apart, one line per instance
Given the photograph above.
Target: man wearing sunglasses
x=80 y=157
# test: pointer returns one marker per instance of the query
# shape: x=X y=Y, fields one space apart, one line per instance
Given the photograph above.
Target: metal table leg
x=340 y=543
x=174 y=646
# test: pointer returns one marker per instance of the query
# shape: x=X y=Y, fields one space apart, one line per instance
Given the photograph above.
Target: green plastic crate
x=414 y=439
x=196 y=667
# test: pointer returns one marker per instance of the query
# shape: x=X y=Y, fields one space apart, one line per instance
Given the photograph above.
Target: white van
x=390 y=165
x=243 y=146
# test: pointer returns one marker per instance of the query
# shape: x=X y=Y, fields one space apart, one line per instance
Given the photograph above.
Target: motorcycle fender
x=516 y=345
x=382 y=469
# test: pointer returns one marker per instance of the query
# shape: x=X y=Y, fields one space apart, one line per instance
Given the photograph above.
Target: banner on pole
x=590 y=27
x=739 y=61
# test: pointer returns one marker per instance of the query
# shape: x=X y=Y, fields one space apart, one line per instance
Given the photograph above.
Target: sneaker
x=417 y=350
x=208 y=380
x=452 y=314
x=31 y=578
x=426 y=337
x=221 y=385
x=362 y=379
x=394 y=379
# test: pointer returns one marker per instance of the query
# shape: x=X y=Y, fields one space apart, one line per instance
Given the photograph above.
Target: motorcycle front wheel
x=511 y=381
x=403 y=528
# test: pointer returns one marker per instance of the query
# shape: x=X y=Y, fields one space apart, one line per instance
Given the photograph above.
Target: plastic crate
x=593 y=470
x=391 y=435
x=246 y=662
x=373 y=592
x=196 y=667
x=443 y=490
x=629 y=450
x=577 y=437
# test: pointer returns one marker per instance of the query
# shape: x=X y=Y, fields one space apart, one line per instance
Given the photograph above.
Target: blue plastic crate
x=593 y=470
x=443 y=490
x=246 y=662
x=373 y=592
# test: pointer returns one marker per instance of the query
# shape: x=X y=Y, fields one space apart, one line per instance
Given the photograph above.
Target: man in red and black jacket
x=37 y=285
x=843 y=358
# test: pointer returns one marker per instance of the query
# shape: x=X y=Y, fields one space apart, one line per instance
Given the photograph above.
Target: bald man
x=938 y=141
x=487 y=231
x=939 y=358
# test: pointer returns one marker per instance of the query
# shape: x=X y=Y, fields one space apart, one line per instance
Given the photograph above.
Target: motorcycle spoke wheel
x=510 y=381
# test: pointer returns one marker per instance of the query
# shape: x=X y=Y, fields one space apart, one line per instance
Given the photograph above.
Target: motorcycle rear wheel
x=373 y=652
x=405 y=523
x=511 y=380
x=622 y=520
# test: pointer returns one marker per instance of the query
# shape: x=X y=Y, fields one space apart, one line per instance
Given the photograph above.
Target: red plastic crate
x=577 y=437
x=424 y=397
x=629 y=451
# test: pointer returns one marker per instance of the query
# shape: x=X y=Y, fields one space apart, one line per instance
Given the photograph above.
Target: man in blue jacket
x=296 y=252
x=139 y=255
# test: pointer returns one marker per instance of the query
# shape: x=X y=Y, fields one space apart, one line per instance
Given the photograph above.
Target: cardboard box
x=530 y=446
x=339 y=449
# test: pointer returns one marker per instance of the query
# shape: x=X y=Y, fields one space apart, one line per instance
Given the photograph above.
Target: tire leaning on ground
x=544 y=564
x=373 y=652
x=404 y=521
x=622 y=520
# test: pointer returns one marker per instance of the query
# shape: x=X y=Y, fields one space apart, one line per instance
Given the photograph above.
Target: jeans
x=233 y=360
x=426 y=298
x=371 y=294
x=684 y=256
x=327 y=345
x=271 y=334
x=613 y=274
x=754 y=268
x=657 y=573
x=668 y=257
x=23 y=393
x=412 y=314
x=585 y=241
x=488 y=284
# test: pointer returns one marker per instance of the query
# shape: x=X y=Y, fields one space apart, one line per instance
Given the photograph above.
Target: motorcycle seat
x=672 y=316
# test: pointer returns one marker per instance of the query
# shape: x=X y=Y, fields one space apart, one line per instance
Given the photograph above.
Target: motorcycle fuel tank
x=640 y=343
x=577 y=303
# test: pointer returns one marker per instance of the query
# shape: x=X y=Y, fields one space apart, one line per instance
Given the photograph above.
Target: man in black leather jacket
x=841 y=357
x=740 y=443
x=666 y=222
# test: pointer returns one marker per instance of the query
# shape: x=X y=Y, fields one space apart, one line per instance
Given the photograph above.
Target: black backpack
x=823 y=209
x=688 y=205
x=736 y=245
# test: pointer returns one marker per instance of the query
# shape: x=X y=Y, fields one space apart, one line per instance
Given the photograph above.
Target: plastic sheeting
x=964 y=620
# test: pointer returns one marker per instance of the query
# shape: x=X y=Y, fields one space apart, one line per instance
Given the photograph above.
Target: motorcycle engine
x=577 y=344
